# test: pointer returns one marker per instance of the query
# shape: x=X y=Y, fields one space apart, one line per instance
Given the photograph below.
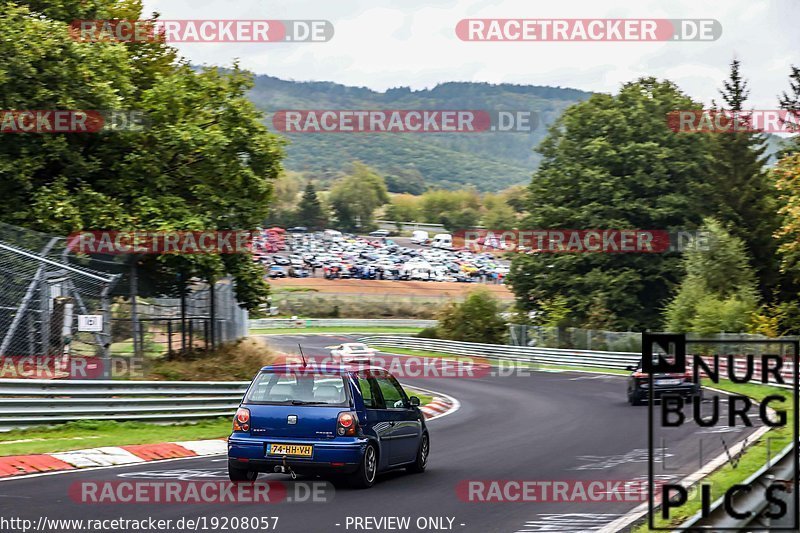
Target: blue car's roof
x=328 y=368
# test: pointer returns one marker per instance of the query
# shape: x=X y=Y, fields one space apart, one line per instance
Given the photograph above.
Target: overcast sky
x=382 y=44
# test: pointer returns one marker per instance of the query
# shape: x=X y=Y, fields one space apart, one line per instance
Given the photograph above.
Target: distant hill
x=488 y=161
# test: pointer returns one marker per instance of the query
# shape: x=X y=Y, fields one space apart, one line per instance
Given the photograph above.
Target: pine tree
x=790 y=101
x=745 y=200
x=310 y=212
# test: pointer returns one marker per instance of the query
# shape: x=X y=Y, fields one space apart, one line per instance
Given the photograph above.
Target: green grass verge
x=332 y=329
x=754 y=457
x=424 y=398
x=96 y=433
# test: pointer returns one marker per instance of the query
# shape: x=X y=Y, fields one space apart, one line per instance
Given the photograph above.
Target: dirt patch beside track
x=416 y=288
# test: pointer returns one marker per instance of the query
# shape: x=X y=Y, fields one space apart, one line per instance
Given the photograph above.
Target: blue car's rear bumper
x=338 y=456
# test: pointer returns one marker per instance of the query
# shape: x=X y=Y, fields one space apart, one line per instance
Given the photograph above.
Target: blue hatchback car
x=353 y=420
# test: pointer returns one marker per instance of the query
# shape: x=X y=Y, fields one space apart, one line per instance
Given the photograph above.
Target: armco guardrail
x=553 y=356
x=25 y=402
x=266 y=323
x=754 y=501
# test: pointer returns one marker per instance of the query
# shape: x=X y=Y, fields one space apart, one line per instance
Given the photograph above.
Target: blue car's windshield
x=297 y=388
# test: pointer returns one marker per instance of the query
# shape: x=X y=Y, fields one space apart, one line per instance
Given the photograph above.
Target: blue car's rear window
x=297 y=388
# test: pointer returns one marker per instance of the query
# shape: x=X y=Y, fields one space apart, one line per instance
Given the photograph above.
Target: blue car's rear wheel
x=364 y=477
x=241 y=474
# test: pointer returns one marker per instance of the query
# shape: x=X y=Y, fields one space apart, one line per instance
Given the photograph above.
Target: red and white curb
x=437 y=407
x=19 y=465
x=105 y=456
x=442 y=404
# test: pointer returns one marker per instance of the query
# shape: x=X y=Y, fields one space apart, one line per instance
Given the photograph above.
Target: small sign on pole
x=90 y=322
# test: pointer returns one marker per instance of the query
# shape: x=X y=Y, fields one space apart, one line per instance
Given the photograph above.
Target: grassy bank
x=754 y=457
x=232 y=362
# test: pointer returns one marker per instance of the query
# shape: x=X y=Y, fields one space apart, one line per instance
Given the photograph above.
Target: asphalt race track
x=535 y=426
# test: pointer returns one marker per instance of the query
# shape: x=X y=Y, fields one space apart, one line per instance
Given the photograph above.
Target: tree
x=203 y=161
x=310 y=211
x=355 y=198
x=477 y=319
x=787 y=181
x=611 y=163
x=460 y=220
x=744 y=199
x=437 y=204
x=719 y=292
x=500 y=217
x=552 y=313
x=790 y=101
x=403 y=208
x=408 y=181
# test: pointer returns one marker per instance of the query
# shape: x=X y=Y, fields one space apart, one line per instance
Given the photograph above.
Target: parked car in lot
x=347 y=256
x=276 y=271
x=379 y=233
x=419 y=237
x=353 y=352
x=298 y=272
x=442 y=240
x=341 y=419
x=675 y=384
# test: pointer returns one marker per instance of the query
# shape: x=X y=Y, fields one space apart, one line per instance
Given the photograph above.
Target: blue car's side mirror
x=414 y=401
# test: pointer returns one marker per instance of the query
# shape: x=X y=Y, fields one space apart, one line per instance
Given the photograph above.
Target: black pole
x=183 y=314
x=141 y=338
x=138 y=344
x=169 y=338
x=213 y=317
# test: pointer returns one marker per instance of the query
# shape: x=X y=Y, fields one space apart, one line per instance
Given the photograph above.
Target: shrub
x=429 y=333
x=477 y=319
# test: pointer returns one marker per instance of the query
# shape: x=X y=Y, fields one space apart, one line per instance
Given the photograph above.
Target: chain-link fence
x=576 y=338
x=51 y=308
x=206 y=317
x=621 y=341
x=55 y=305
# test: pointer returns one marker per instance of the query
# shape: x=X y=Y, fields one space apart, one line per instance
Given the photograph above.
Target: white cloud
x=382 y=44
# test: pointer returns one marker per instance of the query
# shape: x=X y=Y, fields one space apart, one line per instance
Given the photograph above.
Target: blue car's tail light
x=241 y=422
x=346 y=424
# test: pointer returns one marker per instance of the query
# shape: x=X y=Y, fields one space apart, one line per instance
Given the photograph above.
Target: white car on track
x=353 y=352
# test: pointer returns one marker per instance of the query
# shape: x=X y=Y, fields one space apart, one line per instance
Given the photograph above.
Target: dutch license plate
x=668 y=382
x=296 y=450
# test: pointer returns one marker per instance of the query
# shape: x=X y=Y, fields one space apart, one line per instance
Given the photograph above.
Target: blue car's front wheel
x=419 y=465
x=364 y=477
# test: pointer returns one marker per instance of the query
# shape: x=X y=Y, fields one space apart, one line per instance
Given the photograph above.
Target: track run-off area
x=526 y=425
